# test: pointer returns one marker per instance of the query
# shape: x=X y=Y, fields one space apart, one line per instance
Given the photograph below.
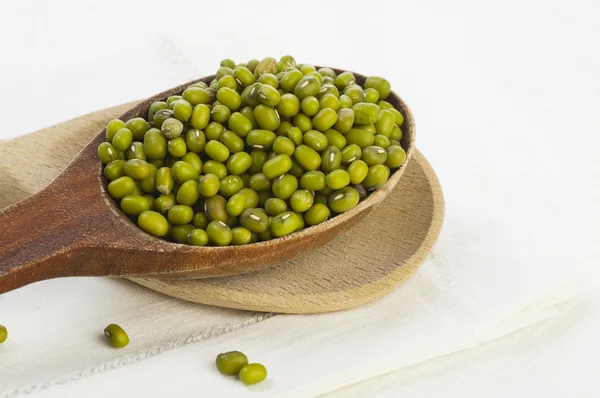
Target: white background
x=499 y=90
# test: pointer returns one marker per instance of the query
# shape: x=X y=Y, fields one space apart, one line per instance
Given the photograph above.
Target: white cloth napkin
x=58 y=338
x=475 y=287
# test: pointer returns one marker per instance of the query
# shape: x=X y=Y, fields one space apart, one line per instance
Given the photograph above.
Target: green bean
x=121 y=187
x=289 y=105
x=188 y=193
x=242 y=236
x=396 y=133
x=371 y=95
x=216 y=208
x=195 y=140
x=122 y=139
x=219 y=233
x=307 y=157
x=395 y=156
x=112 y=128
x=267 y=65
x=213 y=131
x=303 y=122
x=315 y=139
x=163 y=203
x=381 y=140
x=261 y=139
x=216 y=168
x=236 y=204
x=252 y=199
x=172 y=128
x=343 y=200
x=377 y=176
x=357 y=170
x=220 y=113
x=310 y=106
x=153 y=223
x=313 y=180
x=217 y=151
x=239 y=163
x=209 y=185
x=197 y=237
x=266 y=117
x=360 y=137
x=331 y=159
x=138 y=127
x=318 y=213
x=240 y=124
x=227 y=81
x=259 y=157
x=252 y=373
x=107 y=153
x=301 y=201
x=307 y=86
x=230 y=185
x=134 y=205
x=244 y=76
x=277 y=166
x=380 y=84
x=200 y=116
x=114 y=170
x=338 y=179
x=161 y=116
x=344 y=79
x=365 y=113
x=200 y=220
x=179 y=233
x=116 y=336
x=335 y=139
x=193 y=159
x=295 y=134
x=180 y=214
x=255 y=220
x=259 y=182
x=165 y=182
x=374 y=155
x=345 y=120
x=183 y=171
x=284 y=224
x=275 y=206
x=284 y=186
x=233 y=142
x=196 y=95
x=284 y=145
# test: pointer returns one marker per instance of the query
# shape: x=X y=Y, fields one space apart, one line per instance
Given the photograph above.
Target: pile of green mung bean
x=266 y=149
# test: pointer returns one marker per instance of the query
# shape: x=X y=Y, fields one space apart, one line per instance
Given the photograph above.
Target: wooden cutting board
x=360 y=266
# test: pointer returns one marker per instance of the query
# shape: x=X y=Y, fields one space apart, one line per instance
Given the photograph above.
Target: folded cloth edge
x=540 y=309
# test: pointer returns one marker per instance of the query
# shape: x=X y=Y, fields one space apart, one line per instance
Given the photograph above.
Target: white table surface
x=481 y=78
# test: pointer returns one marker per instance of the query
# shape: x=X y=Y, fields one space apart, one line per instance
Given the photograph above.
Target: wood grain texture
x=360 y=266
x=73 y=227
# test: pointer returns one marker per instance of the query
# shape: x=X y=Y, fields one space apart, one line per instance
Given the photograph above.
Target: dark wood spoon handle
x=58 y=231
x=38 y=237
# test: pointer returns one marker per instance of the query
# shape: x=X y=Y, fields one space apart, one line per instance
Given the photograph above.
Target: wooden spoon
x=74 y=228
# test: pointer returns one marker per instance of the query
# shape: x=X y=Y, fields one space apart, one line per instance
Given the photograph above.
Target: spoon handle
x=37 y=238
x=63 y=230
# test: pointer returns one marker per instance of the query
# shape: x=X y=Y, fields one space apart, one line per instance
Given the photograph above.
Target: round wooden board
x=358 y=267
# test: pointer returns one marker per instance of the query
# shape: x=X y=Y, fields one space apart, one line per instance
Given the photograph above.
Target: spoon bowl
x=74 y=228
